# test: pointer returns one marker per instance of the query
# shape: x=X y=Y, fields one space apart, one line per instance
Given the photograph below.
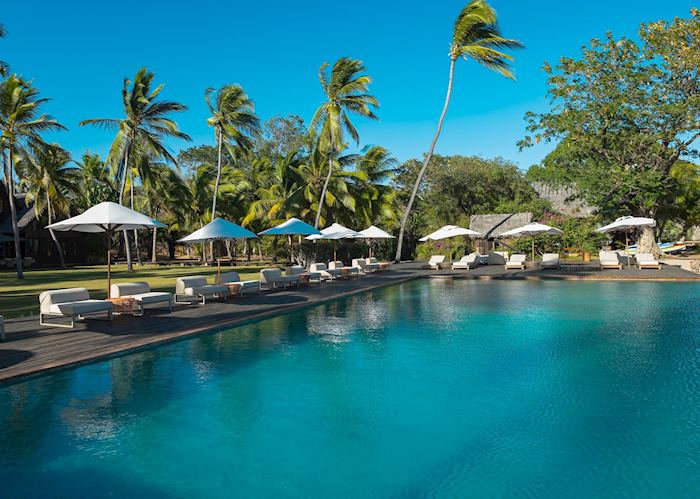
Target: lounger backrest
x=358 y=262
x=335 y=265
x=608 y=256
x=550 y=257
x=195 y=281
x=48 y=298
x=270 y=275
x=229 y=277
x=129 y=289
x=296 y=270
x=518 y=258
x=645 y=257
x=372 y=261
x=318 y=267
x=437 y=258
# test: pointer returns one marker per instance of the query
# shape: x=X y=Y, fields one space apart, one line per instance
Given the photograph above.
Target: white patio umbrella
x=371 y=233
x=334 y=233
x=448 y=232
x=627 y=224
x=106 y=217
x=218 y=230
x=292 y=227
x=532 y=230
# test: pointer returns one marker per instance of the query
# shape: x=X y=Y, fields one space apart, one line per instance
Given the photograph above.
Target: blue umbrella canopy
x=292 y=227
x=218 y=229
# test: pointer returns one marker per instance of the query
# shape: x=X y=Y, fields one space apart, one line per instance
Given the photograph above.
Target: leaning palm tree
x=144 y=127
x=346 y=89
x=20 y=128
x=234 y=121
x=476 y=36
x=52 y=183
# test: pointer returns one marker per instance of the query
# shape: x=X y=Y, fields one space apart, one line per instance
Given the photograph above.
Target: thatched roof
x=493 y=225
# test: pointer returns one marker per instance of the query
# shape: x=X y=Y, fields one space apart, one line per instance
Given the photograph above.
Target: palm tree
x=21 y=126
x=51 y=183
x=234 y=121
x=97 y=185
x=3 y=64
x=346 y=90
x=375 y=199
x=145 y=126
x=476 y=36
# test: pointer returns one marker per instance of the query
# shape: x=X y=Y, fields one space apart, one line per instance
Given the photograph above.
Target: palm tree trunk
x=219 y=140
x=426 y=162
x=325 y=185
x=122 y=188
x=154 y=244
x=260 y=251
x=59 y=249
x=9 y=183
x=136 y=234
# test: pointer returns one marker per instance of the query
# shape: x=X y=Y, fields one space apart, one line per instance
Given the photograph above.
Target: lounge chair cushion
x=140 y=291
x=550 y=260
x=271 y=276
x=197 y=286
x=230 y=277
x=71 y=301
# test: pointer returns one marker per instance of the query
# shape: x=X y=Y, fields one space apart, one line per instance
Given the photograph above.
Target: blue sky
x=78 y=52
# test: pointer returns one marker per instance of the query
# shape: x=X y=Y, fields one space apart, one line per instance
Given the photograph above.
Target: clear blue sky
x=78 y=52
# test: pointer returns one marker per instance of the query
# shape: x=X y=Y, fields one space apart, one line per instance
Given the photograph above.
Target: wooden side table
x=234 y=288
x=125 y=305
x=304 y=279
x=345 y=272
x=383 y=267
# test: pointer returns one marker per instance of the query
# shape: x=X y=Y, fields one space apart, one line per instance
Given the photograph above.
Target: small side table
x=383 y=267
x=234 y=288
x=304 y=279
x=345 y=272
x=125 y=305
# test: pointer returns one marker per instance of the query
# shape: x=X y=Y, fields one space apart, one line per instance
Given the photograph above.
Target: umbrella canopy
x=624 y=224
x=291 y=227
x=217 y=230
x=447 y=232
x=335 y=231
x=533 y=229
x=373 y=232
x=107 y=217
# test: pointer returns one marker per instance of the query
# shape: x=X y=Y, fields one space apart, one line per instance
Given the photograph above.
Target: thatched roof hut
x=491 y=226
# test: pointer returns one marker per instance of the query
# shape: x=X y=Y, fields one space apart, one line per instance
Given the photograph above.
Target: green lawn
x=20 y=298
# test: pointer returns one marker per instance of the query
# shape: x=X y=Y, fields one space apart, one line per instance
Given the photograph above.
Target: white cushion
x=129 y=289
x=79 y=307
x=206 y=290
x=70 y=295
x=184 y=283
x=153 y=297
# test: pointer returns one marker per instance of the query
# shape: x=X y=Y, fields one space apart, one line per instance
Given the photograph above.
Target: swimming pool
x=430 y=388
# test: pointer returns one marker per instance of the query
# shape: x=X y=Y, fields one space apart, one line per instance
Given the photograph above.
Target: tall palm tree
x=346 y=89
x=3 y=65
x=97 y=185
x=234 y=121
x=476 y=36
x=145 y=126
x=52 y=183
x=375 y=198
x=21 y=126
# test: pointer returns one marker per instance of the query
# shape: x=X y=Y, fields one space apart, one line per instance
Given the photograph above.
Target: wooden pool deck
x=32 y=349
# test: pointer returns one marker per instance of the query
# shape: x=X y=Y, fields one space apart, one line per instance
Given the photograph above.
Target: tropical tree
x=145 y=125
x=21 y=125
x=346 y=88
x=375 y=199
x=96 y=185
x=51 y=182
x=234 y=121
x=475 y=36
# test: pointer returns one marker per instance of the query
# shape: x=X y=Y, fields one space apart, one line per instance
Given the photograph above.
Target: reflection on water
x=447 y=383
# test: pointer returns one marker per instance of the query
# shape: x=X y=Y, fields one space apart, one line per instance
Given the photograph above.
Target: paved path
x=30 y=348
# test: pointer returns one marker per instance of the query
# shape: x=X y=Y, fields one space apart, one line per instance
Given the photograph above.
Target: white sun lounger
x=609 y=260
x=196 y=286
x=72 y=302
x=326 y=273
x=296 y=270
x=435 y=261
x=141 y=292
x=374 y=261
x=517 y=261
x=467 y=262
x=338 y=265
x=251 y=286
x=361 y=263
x=646 y=261
x=272 y=279
x=550 y=261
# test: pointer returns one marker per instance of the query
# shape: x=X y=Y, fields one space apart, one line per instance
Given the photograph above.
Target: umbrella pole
x=109 y=264
x=627 y=251
x=334 y=252
x=291 y=249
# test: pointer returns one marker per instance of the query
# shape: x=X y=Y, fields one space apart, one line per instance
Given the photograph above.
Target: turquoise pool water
x=440 y=388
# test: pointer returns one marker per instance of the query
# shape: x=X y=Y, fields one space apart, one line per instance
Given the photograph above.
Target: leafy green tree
x=234 y=121
x=21 y=125
x=145 y=126
x=283 y=135
x=475 y=36
x=347 y=91
x=51 y=182
x=623 y=115
x=375 y=199
x=96 y=185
